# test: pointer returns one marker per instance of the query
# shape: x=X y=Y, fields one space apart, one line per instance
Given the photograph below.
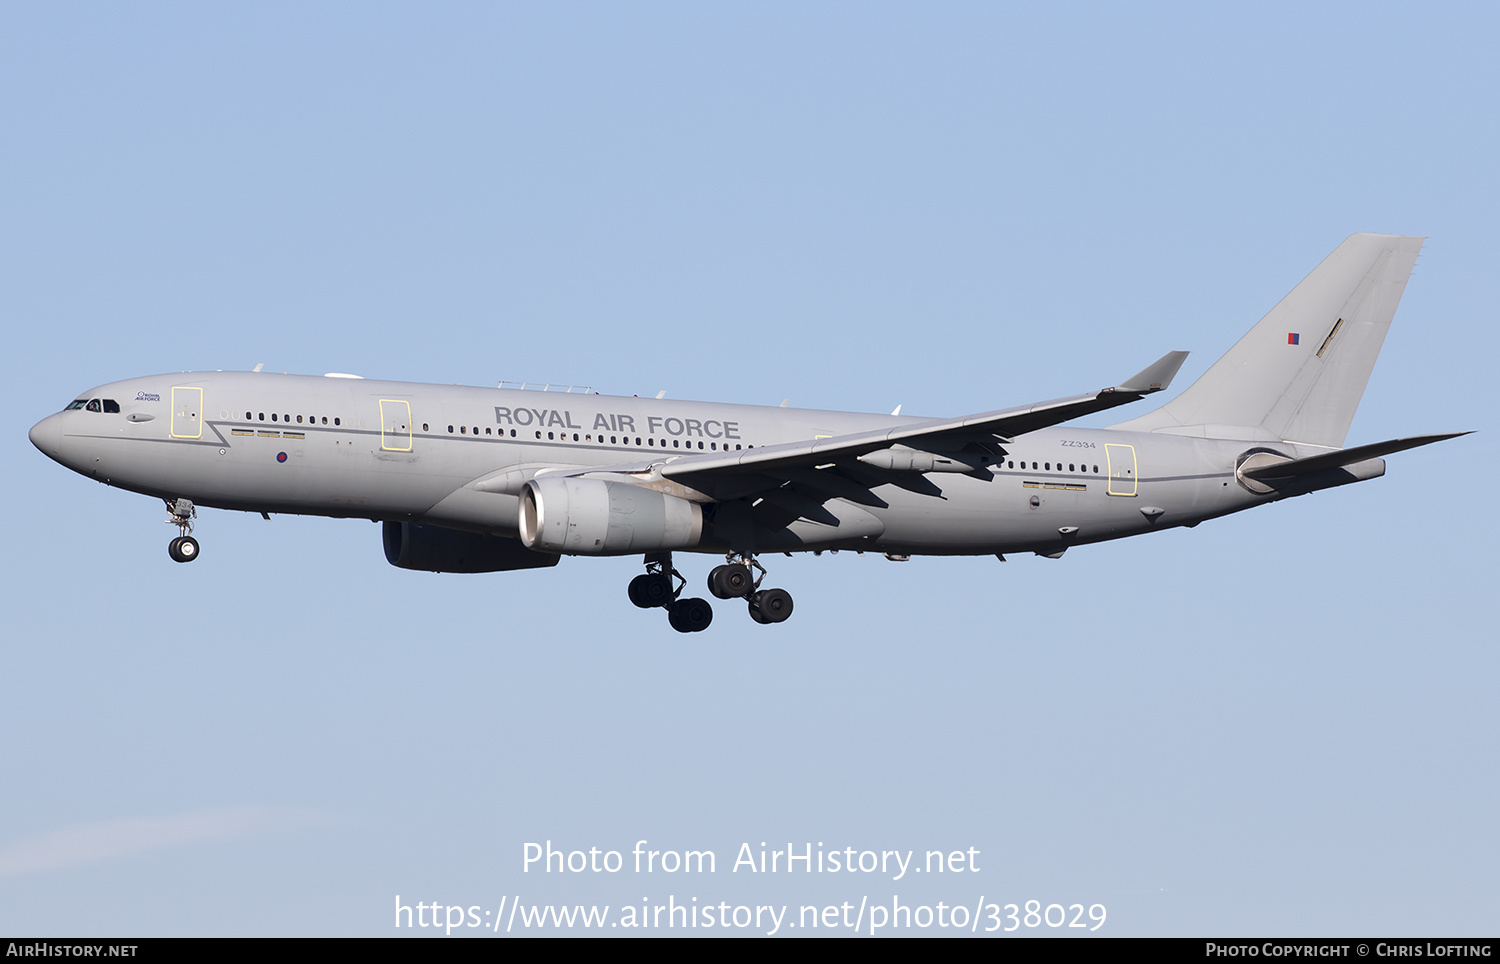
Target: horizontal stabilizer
x=1342 y=457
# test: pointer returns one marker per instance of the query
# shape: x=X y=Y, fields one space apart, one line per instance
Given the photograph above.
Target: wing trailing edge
x=1005 y=423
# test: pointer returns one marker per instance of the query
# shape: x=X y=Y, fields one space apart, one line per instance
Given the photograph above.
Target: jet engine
x=594 y=517
x=409 y=545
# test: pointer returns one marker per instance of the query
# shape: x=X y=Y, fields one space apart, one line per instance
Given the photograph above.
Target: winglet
x=1156 y=376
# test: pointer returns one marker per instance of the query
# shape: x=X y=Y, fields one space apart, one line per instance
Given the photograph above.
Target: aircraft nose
x=46 y=435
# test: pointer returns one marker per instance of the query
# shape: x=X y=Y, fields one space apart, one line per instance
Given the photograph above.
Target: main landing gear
x=184 y=548
x=661 y=586
x=734 y=580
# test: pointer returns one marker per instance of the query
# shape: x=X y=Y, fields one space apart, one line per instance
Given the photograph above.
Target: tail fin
x=1300 y=372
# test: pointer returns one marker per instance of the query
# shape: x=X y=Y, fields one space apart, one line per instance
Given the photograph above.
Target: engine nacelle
x=409 y=545
x=594 y=517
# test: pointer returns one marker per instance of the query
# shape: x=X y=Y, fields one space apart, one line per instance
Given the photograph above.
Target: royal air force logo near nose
x=281 y=456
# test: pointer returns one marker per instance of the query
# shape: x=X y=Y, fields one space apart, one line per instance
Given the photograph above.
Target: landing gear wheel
x=637 y=590
x=690 y=615
x=651 y=589
x=771 y=606
x=732 y=581
x=658 y=589
x=183 y=549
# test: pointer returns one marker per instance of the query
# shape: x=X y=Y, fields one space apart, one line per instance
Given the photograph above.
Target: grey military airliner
x=487 y=480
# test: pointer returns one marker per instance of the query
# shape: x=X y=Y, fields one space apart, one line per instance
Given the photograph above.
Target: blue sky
x=1280 y=722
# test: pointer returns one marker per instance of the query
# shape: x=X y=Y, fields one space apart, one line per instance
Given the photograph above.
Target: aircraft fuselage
x=349 y=447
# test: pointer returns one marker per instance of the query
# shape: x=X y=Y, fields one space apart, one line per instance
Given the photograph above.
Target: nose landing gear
x=184 y=548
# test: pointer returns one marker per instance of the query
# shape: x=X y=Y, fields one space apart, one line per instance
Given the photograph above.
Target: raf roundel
x=281 y=456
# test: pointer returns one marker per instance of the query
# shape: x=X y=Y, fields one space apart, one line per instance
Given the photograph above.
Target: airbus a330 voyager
x=487 y=480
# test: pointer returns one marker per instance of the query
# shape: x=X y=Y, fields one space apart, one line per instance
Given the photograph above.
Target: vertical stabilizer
x=1300 y=372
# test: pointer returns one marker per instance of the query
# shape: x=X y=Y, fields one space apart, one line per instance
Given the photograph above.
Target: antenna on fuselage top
x=258 y=367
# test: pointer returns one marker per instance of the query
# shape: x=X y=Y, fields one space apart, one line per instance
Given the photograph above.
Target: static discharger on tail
x=489 y=480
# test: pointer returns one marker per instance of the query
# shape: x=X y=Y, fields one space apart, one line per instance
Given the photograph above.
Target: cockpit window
x=75 y=406
x=110 y=405
x=93 y=405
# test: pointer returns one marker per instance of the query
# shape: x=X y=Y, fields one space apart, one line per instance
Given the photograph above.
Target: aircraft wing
x=705 y=472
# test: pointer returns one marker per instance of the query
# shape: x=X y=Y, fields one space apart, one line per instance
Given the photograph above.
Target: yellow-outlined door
x=1122 y=468
x=395 y=425
x=187 y=413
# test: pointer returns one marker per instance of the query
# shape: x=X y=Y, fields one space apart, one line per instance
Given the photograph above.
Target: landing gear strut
x=655 y=588
x=184 y=548
x=734 y=580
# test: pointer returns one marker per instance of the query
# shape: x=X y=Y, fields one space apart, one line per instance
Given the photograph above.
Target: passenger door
x=1122 y=469
x=187 y=413
x=395 y=425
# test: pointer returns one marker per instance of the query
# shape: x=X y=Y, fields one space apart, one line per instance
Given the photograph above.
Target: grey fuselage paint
x=402 y=451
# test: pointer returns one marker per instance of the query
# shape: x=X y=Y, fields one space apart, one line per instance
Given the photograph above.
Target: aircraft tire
x=657 y=589
x=637 y=590
x=183 y=549
x=771 y=605
x=731 y=581
x=690 y=615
